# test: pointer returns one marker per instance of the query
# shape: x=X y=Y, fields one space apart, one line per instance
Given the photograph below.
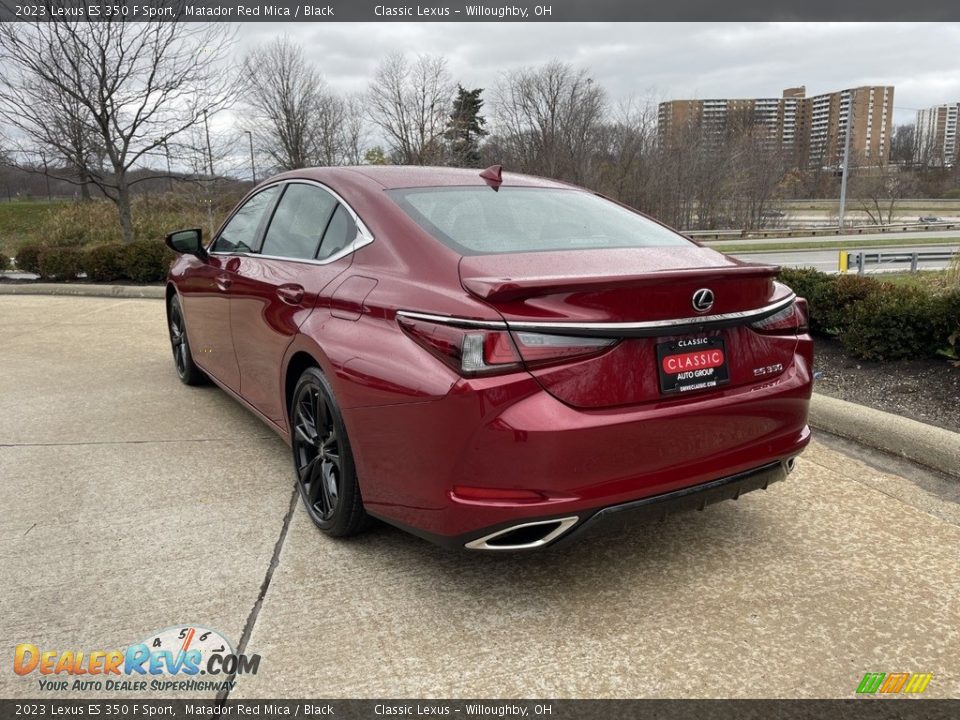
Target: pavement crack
x=223 y=695
x=29 y=529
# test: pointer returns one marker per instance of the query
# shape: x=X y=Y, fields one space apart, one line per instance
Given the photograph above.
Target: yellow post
x=844 y=259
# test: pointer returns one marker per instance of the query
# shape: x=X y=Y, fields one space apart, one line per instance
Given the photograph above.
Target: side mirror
x=187 y=242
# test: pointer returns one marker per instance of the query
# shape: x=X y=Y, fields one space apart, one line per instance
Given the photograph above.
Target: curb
x=157 y=292
x=924 y=444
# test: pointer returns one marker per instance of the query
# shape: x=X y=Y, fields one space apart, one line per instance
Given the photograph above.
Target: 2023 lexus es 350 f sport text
x=490 y=360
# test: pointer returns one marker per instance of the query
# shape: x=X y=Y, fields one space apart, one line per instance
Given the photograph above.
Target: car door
x=304 y=248
x=205 y=291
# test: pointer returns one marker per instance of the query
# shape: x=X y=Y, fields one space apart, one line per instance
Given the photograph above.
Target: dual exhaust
x=536 y=534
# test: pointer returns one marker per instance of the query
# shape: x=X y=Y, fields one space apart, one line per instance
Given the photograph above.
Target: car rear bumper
x=541 y=532
x=511 y=434
x=647 y=510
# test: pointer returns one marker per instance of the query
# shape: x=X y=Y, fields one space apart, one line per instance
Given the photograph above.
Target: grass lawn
x=832 y=243
x=19 y=220
x=929 y=279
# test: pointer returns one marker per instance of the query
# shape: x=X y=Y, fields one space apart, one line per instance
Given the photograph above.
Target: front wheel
x=322 y=459
x=187 y=370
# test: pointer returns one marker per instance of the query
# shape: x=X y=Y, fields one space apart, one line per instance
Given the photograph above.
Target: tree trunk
x=123 y=208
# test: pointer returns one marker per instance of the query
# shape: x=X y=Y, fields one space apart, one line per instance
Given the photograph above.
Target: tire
x=322 y=459
x=187 y=370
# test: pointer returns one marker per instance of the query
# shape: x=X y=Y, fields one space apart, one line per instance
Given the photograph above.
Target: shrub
x=62 y=263
x=952 y=194
x=833 y=301
x=4 y=262
x=146 y=260
x=28 y=257
x=895 y=322
x=104 y=263
x=948 y=314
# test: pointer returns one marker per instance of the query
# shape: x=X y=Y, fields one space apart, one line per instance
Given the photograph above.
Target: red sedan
x=491 y=361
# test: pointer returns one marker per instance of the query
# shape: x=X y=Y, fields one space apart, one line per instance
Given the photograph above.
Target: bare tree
x=626 y=146
x=330 y=115
x=285 y=94
x=878 y=189
x=353 y=130
x=903 y=144
x=133 y=86
x=409 y=102
x=74 y=139
x=755 y=165
x=297 y=122
x=546 y=118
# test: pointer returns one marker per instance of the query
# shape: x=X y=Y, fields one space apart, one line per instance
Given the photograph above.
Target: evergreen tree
x=465 y=127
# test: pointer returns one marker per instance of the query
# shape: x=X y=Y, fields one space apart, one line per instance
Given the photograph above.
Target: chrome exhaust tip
x=524 y=536
x=790 y=464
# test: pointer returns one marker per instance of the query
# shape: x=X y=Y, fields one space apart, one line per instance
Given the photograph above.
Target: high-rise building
x=811 y=129
x=936 y=135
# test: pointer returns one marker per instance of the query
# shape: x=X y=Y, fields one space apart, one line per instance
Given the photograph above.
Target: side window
x=340 y=233
x=240 y=234
x=298 y=223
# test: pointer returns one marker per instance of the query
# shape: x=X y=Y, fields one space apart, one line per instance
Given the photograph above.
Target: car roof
x=406 y=176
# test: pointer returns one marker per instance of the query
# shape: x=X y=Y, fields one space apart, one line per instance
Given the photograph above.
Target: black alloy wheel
x=187 y=370
x=322 y=458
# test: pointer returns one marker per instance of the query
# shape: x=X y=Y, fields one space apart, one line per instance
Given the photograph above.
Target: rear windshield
x=480 y=221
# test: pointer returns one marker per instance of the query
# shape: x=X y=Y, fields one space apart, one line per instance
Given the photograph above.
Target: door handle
x=290 y=294
x=224 y=282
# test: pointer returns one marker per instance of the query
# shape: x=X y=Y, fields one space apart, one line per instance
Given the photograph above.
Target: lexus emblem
x=703 y=300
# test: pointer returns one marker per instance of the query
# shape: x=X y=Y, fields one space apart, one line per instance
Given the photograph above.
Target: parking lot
x=133 y=503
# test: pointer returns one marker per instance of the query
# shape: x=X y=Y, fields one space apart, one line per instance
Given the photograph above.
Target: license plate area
x=692 y=363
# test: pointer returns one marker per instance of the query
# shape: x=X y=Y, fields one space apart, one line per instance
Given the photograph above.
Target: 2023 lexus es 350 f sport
x=490 y=360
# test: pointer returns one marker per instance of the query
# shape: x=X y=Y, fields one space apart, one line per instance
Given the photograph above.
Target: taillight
x=478 y=351
x=792 y=319
x=540 y=348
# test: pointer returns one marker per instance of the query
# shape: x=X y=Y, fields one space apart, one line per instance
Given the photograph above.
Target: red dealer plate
x=693 y=363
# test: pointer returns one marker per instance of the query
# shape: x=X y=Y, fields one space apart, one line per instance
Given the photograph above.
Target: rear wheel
x=322 y=459
x=187 y=370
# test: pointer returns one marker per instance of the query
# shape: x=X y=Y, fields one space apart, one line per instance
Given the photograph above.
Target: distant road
x=905 y=236
x=827 y=259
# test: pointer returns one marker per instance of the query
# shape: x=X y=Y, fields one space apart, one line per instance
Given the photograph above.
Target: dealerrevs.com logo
x=182 y=658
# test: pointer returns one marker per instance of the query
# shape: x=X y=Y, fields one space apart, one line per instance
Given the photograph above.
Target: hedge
x=141 y=261
x=60 y=263
x=104 y=263
x=28 y=258
x=146 y=260
x=879 y=320
x=895 y=323
x=4 y=262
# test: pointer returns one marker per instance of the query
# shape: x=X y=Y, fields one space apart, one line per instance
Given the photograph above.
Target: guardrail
x=818 y=231
x=861 y=258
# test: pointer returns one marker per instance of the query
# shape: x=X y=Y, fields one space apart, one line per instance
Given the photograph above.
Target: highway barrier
x=818 y=231
x=860 y=259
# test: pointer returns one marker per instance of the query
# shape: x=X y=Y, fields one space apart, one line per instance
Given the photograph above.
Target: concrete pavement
x=133 y=503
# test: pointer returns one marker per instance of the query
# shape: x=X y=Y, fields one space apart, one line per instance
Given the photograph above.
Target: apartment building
x=811 y=129
x=936 y=137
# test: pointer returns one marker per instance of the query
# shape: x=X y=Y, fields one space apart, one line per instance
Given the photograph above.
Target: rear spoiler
x=507 y=289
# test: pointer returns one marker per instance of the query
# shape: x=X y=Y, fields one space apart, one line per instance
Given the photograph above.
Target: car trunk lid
x=644 y=297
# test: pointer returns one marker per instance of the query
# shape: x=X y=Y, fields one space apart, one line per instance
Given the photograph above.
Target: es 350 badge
x=169 y=660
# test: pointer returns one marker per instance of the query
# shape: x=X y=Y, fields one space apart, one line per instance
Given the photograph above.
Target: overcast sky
x=656 y=60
